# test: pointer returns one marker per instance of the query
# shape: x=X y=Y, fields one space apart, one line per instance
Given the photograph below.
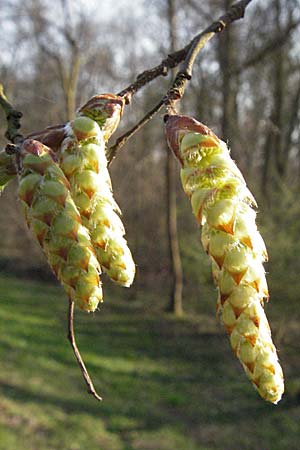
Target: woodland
x=156 y=350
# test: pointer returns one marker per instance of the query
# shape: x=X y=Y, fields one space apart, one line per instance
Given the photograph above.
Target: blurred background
x=165 y=369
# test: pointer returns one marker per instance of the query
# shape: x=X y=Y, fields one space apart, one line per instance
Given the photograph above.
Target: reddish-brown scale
x=247 y=241
x=250 y=366
x=27 y=197
x=219 y=260
x=41 y=236
x=104 y=102
x=256 y=321
x=256 y=382
x=52 y=136
x=237 y=311
x=227 y=227
x=251 y=338
x=223 y=298
x=86 y=214
x=89 y=192
x=47 y=218
x=271 y=368
x=62 y=253
x=84 y=263
x=238 y=276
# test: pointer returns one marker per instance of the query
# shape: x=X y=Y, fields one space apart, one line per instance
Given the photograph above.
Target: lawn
x=167 y=384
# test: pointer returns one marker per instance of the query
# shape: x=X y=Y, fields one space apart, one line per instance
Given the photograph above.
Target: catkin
x=223 y=205
x=83 y=160
x=54 y=219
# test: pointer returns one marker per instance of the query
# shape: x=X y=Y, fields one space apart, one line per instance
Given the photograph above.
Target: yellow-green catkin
x=54 y=219
x=83 y=161
x=223 y=205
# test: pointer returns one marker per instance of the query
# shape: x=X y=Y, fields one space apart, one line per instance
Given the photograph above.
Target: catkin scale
x=83 y=160
x=53 y=218
x=106 y=110
x=223 y=205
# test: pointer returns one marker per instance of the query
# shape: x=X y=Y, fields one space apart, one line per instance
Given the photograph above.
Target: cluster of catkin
x=223 y=206
x=66 y=193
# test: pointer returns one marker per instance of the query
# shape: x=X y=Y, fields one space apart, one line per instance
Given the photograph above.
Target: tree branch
x=187 y=55
x=111 y=152
x=13 y=118
x=71 y=337
x=190 y=51
x=270 y=47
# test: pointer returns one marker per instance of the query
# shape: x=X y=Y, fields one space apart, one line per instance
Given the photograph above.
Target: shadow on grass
x=153 y=372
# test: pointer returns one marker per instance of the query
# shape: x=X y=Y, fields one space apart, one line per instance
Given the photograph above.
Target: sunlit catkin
x=83 y=160
x=223 y=205
x=54 y=219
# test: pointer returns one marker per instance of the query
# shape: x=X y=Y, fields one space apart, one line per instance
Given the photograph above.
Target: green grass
x=167 y=384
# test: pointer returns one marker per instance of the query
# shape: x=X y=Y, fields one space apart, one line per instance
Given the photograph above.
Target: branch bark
x=187 y=55
x=13 y=118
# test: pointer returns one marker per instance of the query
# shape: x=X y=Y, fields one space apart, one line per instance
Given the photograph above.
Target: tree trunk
x=175 y=267
x=227 y=61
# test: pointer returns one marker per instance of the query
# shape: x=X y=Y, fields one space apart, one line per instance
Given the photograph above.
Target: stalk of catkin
x=54 y=219
x=83 y=161
x=223 y=205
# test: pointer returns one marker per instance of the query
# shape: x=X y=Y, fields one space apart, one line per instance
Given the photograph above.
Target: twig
x=13 y=119
x=111 y=153
x=269 y=47
x=184 y=74
x=71 y=337
x=235 y=12
x=188 y=55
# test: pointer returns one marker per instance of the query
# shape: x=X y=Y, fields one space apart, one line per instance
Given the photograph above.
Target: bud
x=106 y=110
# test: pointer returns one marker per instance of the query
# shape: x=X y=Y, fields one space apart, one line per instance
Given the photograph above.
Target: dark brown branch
x=235 y=12
x=13 y=118
x=188 y=53
x=71 y=337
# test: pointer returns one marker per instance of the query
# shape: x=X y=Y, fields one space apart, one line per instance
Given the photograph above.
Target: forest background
x=245 y=86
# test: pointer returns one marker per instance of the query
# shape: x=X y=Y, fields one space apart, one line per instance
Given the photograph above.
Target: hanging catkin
x=223 y=204
x=83 y=160
x=53 y=218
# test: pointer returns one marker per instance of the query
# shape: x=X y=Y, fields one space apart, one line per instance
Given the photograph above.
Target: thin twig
x=188 y=55
x=124 y=138
x=13 y=118
x=71 y=337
